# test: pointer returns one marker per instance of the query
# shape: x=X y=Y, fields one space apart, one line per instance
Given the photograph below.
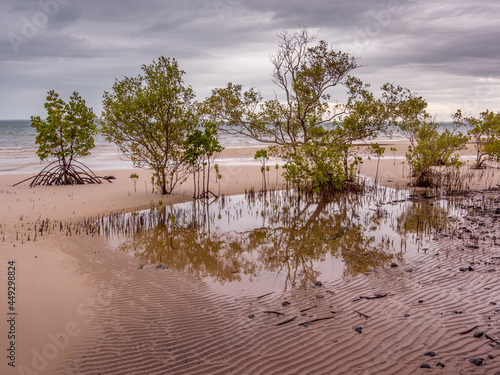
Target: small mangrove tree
x=66 y=134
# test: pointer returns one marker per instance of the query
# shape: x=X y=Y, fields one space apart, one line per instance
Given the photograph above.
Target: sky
x=448 y=52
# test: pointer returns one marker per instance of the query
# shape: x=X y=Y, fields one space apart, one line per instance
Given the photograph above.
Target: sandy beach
x=84 y=308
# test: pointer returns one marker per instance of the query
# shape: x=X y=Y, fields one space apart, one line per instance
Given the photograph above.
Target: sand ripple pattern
x=160 y=321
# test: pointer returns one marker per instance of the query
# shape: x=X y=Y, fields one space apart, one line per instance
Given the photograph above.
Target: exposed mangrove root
x=56 y=173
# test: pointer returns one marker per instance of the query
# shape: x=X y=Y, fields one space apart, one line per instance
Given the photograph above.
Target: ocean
x=18 y=150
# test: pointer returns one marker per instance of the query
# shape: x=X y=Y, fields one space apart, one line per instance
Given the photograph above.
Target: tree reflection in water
x=291 y=236
x=422 y=218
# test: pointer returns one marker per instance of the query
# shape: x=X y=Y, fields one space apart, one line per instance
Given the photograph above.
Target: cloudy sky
x=446 y=51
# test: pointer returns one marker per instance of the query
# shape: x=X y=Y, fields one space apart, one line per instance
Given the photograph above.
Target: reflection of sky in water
x=278 y=242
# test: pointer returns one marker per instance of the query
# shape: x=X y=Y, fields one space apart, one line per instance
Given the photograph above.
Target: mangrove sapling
x=485 y=132
x=201 y=149
x=218 y=175
x=193 y=151
x=394 y=149
x=431 y=149
x=134 y=178
x=379 y=151
x=66 y=134
x=262 y=156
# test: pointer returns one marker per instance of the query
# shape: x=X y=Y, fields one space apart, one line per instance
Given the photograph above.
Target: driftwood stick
x=286 y=321
x=316 y=320
x=371 y=297
x=492 y=339
x=363 y=315
x=309 y=308
x=375 y=296
x=273 y=312
x=469 y=330
x=265 y=295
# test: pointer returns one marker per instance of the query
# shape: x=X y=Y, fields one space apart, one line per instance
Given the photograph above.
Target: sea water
x=18 y=150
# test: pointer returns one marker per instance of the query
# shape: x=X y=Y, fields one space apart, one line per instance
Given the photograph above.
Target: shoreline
x=80 y=201
x=231 y=155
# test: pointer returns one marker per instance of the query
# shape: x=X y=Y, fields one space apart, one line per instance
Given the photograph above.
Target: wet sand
x=84 y=308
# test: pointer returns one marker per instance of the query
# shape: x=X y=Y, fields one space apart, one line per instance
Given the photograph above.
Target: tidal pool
x=282 y=240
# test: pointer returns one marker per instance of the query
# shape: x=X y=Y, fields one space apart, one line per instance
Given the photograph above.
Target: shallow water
x=281 y=240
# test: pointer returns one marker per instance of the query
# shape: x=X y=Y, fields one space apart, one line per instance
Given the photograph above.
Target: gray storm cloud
x=445 y=51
